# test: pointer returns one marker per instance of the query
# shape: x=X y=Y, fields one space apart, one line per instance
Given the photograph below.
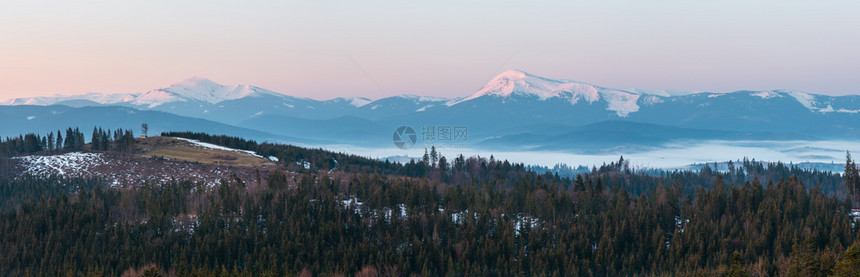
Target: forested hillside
x=348 y=215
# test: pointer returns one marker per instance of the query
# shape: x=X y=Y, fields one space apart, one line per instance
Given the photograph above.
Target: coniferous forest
x=348 y=215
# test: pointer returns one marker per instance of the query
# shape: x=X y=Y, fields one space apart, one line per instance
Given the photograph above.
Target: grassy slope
x=178 y=150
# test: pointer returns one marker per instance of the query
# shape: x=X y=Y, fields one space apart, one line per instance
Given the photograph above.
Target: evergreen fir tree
x=434 y=156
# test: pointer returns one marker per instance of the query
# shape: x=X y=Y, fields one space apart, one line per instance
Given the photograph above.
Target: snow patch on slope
x=622 y=103
x=810 y=102
x=767 y=94
x=217 y=147
x=805 y=99
x=359 y=101
x=156 y=98
x=662 y=92
x=68 y=164
x=352 y=101
x=423 y=108
x=651 y=100
x=418 y=98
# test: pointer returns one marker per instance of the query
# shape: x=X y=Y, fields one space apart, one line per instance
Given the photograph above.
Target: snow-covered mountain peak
x=192 y=89
x=513 y=74
x=195 y=81
x=100 y=98
x=517 y=82
x=199 y=96
x=198 y=88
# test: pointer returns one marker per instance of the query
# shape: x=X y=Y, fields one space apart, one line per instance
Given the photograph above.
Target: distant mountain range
x=514 y=111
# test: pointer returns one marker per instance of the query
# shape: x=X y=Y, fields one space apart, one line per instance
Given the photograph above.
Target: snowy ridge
x=519 y=83
x=812 y=102
x=624 y=102
x=662 y=92
x=199 y=89
x=202 y=92
x=100 y=98
x=418 y=98
x=191 y=89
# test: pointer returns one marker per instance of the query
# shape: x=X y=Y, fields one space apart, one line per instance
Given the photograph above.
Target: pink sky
x=439 y=48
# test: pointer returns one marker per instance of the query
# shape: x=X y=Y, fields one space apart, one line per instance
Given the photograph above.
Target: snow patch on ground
x=123 y=170
x=68 y=164
x=387 y=213
x=185 y=223
x=522 y=221
x=354 y=203
x=855 y=214
x=217 y=147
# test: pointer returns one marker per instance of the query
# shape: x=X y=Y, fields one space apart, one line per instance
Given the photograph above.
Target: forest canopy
x=471 y=216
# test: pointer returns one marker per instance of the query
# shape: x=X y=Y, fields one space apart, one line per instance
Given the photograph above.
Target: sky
x=375 y=49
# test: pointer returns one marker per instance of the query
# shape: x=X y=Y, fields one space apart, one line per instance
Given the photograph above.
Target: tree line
x=74 y=140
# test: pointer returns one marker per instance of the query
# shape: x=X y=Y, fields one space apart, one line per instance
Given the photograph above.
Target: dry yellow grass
x=179 y=150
